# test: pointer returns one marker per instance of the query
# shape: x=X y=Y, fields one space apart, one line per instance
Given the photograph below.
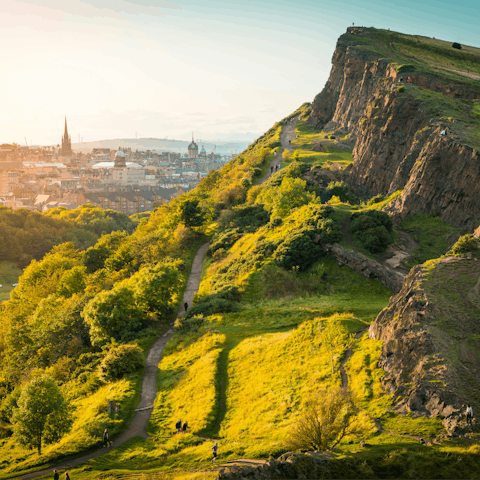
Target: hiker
x=469 y=414
x=271 y=169
x=185 y=425
x=409 y=80
x=401 y=80
x=185 y=305
x=278 y=166
x=214 y=452
x=56 y=475
x=67 y=476
x=443 y=132
x=178 y=426
x=105 y=438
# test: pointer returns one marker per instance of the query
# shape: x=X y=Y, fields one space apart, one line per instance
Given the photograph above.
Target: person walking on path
x=56 y=475
x=67 y=476
x=469 y=414
x=178 y=426
x=105 y=438
x=185 y=426
x=214 y=452
x=185 y=305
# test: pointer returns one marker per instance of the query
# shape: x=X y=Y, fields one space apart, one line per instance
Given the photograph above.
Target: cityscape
x=129 y=181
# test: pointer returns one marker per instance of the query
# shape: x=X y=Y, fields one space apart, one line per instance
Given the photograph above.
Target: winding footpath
x=287 y=134
x=138 y=425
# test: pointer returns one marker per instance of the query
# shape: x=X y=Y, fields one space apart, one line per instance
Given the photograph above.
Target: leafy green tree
x=114 y=314
x=279 y=201
x=42 y=416
x=121 y=360
x=296 y=156
x=157 y=288
x=72 y=281
x=191 y=213
x=334 y=338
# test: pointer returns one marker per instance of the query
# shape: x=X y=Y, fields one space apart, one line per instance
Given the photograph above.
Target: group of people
x=274 y=168
x=56 y=475
x=183 y=429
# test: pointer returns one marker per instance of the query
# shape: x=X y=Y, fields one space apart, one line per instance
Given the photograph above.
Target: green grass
x=430 y=232
x=9 y=274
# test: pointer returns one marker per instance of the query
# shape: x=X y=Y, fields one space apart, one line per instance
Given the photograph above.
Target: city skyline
x=160 y=69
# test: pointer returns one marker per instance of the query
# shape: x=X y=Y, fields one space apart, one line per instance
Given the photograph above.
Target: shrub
x=298 y=250
x=338 y=189
x=456 y=45
x=224 y=241
x=189 y=324
x=373 y=229
x=401 y=88
x=120 y=361
x=221 y=302
x=465 y=244
x=376 y=199
x=328 y=418
x=407 y=68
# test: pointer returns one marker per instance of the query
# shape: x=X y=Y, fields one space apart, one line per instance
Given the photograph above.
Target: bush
x=376 y=199
x=338 y=189
x=456 y=45
x=120 y=361
x=328 y=418
x=401 y=88
x=224 y=241
x=373 y=229
x=211 y=304
x=189 y=324
x=298 y=250
x=465 y=244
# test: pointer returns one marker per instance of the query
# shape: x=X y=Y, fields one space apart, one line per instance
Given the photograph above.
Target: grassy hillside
x=251 y=353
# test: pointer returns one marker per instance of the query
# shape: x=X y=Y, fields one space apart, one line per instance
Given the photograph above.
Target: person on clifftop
x=56 y=475
x=185 y=426
x=178 y=426
x=469 y=414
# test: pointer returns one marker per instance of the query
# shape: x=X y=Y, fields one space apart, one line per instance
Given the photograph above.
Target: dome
x=193 y=146
x=119 y=154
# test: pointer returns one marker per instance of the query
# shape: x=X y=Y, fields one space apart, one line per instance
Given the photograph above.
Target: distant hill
x=223 y=147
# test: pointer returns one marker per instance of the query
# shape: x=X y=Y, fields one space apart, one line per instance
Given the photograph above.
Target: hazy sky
x=163 y=69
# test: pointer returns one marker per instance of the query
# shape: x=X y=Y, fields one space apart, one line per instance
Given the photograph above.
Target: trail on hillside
x=138 y=425
x=344 y=377
x=287 y=134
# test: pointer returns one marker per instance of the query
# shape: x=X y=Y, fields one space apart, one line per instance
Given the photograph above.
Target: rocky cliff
x=431 y=334
x=397 y=125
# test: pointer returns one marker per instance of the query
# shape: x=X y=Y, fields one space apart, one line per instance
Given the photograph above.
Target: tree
x=191 y=214
x=279 y=201
x=296 y=156
x=114 y=313
x=334 y=337
x=42 y=415
x=328 y=418
x=286 y=155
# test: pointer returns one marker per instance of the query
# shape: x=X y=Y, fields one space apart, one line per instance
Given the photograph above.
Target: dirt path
x=287 y=134
x=138 y=425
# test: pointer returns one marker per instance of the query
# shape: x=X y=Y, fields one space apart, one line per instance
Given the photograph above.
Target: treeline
x=26 y=235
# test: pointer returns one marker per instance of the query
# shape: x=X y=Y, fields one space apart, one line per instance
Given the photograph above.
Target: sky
x=165 y=69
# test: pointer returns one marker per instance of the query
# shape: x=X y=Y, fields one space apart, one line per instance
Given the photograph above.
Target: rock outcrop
x=431 y=335
x=399 y=146
x=367 y=267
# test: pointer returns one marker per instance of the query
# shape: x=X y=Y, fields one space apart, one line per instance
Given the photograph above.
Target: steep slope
x=431 y=331
x=398 y=125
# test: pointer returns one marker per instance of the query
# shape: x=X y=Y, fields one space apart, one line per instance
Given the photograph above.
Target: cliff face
x=431 y=350
x=398 y=142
